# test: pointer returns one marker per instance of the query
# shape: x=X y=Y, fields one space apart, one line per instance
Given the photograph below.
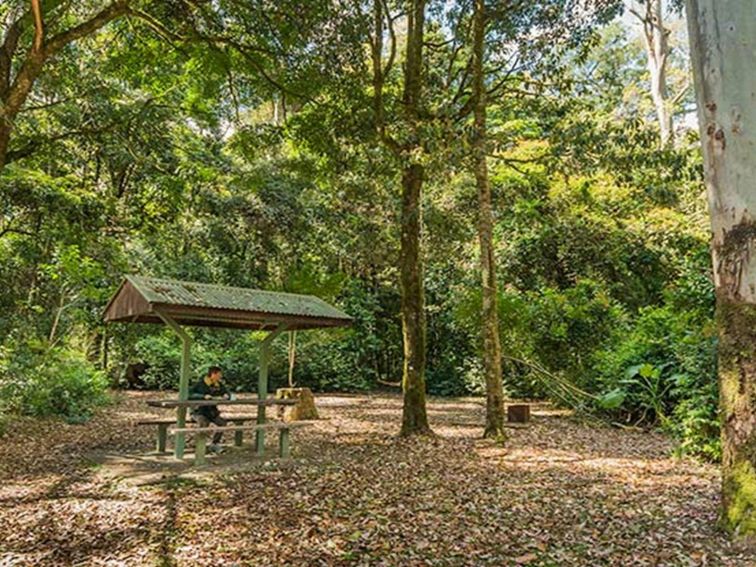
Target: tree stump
x=518 y=413
x=304 y=410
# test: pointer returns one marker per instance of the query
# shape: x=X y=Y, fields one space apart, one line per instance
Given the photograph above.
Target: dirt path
x=558 y=493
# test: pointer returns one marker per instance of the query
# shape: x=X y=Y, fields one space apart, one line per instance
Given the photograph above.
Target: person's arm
x=197 y=392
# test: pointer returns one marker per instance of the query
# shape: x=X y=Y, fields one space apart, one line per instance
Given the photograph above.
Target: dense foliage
x=255 y=163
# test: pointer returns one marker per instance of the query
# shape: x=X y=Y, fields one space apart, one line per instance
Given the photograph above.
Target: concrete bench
x=201 y=434
x=163 y=423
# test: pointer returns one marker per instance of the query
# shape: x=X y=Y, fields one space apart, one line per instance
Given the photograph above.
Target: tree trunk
x=414 y=416
x=656 y=38
x=489 y=315
x=723 y=40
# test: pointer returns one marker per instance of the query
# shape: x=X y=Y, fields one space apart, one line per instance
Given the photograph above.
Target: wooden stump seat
x=304 y=410
x=518 y=413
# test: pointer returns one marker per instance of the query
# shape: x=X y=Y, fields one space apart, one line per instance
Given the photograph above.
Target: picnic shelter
x=179 y=304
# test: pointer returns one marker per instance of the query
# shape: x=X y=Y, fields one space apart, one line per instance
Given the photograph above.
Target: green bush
x=237 y=352
x=330 y=366
x=570 y=328
x=42 y=381
x=696 y=424
x=664 y=373
x=162 y=354
x=563 y=331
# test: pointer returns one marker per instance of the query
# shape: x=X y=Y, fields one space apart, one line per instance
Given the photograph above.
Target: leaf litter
x=558 y=492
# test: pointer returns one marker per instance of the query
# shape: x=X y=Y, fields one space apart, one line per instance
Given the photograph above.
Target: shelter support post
x=186 y=347
x=262 y=385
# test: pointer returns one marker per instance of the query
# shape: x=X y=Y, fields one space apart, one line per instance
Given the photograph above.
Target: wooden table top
x=219 y=402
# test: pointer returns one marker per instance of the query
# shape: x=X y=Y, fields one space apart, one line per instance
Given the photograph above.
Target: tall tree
x=414 y=416
x=409 y=151
x=723 y=40
x=489 y=316
x=650 y=13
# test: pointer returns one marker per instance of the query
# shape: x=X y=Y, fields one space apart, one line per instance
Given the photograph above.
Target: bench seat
x=163 y=423
x=201 y=434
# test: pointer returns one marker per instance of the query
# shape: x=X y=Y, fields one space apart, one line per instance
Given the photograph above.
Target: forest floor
x=558 y=492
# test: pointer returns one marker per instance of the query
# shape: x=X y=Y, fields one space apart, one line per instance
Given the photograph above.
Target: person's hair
x=213 y=369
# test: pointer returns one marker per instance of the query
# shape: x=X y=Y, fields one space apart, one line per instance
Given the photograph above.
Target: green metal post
x=283 y=444
x=200 y=443
x=262 y=385
x=238 y=435
x=186 y=347
x=162 y=437
x=262 y=393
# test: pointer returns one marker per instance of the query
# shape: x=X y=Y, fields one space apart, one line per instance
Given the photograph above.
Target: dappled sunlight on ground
x=556 y=492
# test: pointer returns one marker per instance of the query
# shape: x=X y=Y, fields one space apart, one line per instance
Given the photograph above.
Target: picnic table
x=259 y=429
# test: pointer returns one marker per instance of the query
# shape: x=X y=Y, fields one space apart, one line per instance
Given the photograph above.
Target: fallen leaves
x=558 y=493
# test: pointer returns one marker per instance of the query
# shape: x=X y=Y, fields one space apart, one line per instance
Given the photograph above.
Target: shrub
x=664 y=372
x=56 y=381
x=696 y=424
x=236 y=352
x=331 y=366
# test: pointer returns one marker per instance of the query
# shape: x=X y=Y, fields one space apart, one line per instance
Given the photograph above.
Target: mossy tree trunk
x=723 y=41
x=489 y=315
x=409 y=151
x=414 y=416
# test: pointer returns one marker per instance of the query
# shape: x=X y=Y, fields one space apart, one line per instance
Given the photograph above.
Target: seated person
x=209 y=387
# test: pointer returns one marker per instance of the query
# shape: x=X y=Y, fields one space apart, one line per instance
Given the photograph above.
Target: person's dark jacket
x=202 y=389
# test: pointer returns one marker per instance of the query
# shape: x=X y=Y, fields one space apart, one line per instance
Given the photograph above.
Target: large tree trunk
x=414 y=416
x=656 y=38
x=723 y=41
x=489 y=315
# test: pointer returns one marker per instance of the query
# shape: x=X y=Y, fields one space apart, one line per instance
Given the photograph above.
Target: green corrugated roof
x=142 y=299
x=192 y=294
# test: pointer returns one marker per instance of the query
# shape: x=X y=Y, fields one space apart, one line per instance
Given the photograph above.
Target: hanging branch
x=569 y=392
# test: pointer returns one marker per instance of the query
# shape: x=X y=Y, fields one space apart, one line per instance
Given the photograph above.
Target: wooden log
x=303 y=410
x=518 y=413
